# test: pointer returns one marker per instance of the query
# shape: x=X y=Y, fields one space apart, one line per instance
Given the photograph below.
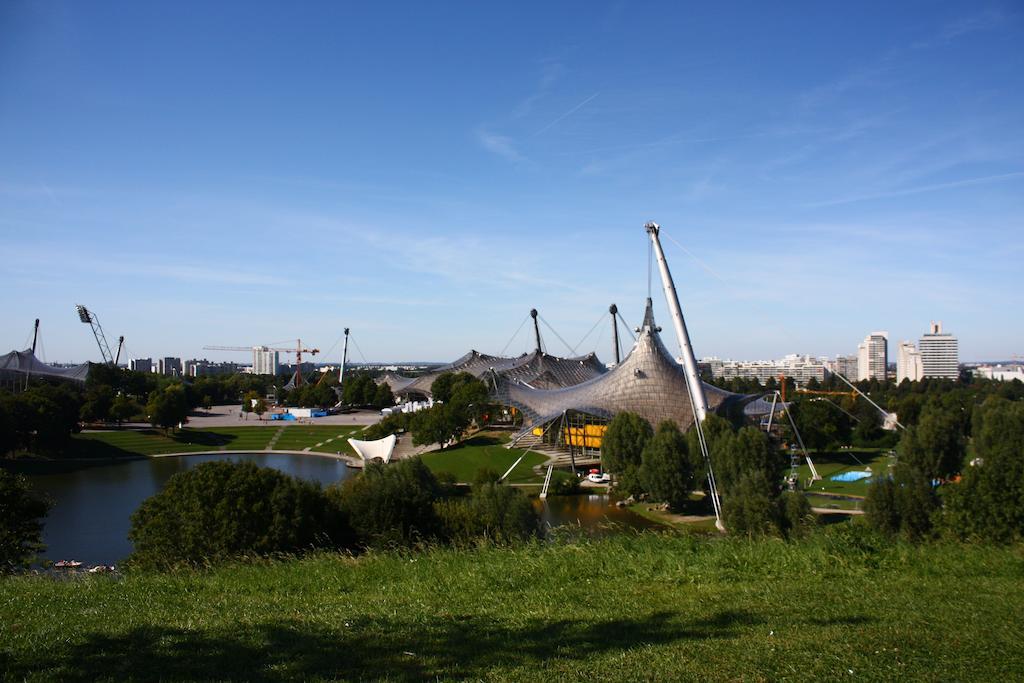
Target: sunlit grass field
x=629 y=607
x=487 y=451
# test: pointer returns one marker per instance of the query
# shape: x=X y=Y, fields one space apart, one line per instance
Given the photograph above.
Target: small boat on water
x=67 y=564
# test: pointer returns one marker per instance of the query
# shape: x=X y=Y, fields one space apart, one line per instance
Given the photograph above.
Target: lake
x=94 y=502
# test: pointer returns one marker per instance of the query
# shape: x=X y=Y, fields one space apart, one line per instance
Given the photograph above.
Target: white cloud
x=501 y=145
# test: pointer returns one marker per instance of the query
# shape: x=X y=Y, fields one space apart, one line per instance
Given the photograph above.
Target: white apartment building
x=873 y=356
x=264 y=361
x=1002 y=373
x=908 y=363
x=940 y=353
x=801 y=368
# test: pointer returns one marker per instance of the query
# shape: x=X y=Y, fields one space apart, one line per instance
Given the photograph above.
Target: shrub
x=21 y=526
x=390 y=504
x=225 y=509
x=751 y=508
x=493 y=512
x=795 y=514
x=901 y=504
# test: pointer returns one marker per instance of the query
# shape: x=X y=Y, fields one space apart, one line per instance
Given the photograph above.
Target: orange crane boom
x=297 y=350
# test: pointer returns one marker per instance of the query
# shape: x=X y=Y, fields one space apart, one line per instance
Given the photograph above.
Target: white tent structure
x=381 y=448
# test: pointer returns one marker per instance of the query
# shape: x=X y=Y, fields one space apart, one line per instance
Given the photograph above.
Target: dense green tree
x=624 y=441
x=747 y=451
x=124 y=408
x=98 y=401
x=390 y=504
x=716 y=431
x=903 y=503
x=935 y=445
x=438 y=424
x=988 y=504
x=383 y=398
x=821 y=423
x=868 y=429
x=168 y=407
x=224 y=509
x=447 y=383
x=665 y=470
x=21 y=521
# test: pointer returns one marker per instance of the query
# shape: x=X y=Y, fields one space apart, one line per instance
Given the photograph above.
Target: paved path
x=232 y=416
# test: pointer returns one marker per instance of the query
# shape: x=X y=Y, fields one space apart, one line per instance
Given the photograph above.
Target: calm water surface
x=93 y=504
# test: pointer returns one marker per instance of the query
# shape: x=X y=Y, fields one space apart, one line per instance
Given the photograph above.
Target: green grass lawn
x=833 y=462
x=659 y=607
x=485 y=450
x=300 y=437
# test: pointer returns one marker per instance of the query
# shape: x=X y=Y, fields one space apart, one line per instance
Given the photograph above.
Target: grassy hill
x=629 y=607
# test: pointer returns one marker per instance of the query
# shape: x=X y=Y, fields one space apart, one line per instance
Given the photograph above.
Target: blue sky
x=244 y=173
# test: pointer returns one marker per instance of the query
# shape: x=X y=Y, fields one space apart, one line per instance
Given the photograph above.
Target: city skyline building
x=800 y=367
x=265 y=361
x=141 y=364
x=940 y=353
x=169 y=366
x=908 y=363
x=873 y=356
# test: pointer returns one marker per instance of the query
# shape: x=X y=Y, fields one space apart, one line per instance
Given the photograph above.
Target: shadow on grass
x=453 y=647
x=477 y=441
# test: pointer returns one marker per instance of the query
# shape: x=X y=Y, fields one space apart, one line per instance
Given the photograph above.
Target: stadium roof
x=26 y=363
x=535 y=369
x=649 y=382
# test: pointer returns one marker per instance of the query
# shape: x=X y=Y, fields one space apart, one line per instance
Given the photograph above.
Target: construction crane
x=297 y=350
x=93 y=320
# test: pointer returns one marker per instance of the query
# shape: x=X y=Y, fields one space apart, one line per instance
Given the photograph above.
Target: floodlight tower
x=91 y=319
x=344 y=359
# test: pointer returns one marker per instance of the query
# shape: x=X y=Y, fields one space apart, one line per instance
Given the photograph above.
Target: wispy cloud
x=502 y=145
x=567 y=114
x=966 y=182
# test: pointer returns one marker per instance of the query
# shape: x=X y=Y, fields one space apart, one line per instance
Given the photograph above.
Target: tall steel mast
x=700 y=401
x=693 y=383
x=613 y=309
x=536 y=328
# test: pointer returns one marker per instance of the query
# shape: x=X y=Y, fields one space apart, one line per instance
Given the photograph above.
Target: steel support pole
x=700 y=402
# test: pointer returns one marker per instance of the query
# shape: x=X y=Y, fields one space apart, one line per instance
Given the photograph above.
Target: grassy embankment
x=649 y=607
x=128 y=443
x=486 y=450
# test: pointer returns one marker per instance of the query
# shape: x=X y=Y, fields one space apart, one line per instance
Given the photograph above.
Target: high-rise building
x=873 y=356
x=908 y=363
x=940 y=353
x=845 y=366
x=141 y=364
x=264 y=361
x=169 y=366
